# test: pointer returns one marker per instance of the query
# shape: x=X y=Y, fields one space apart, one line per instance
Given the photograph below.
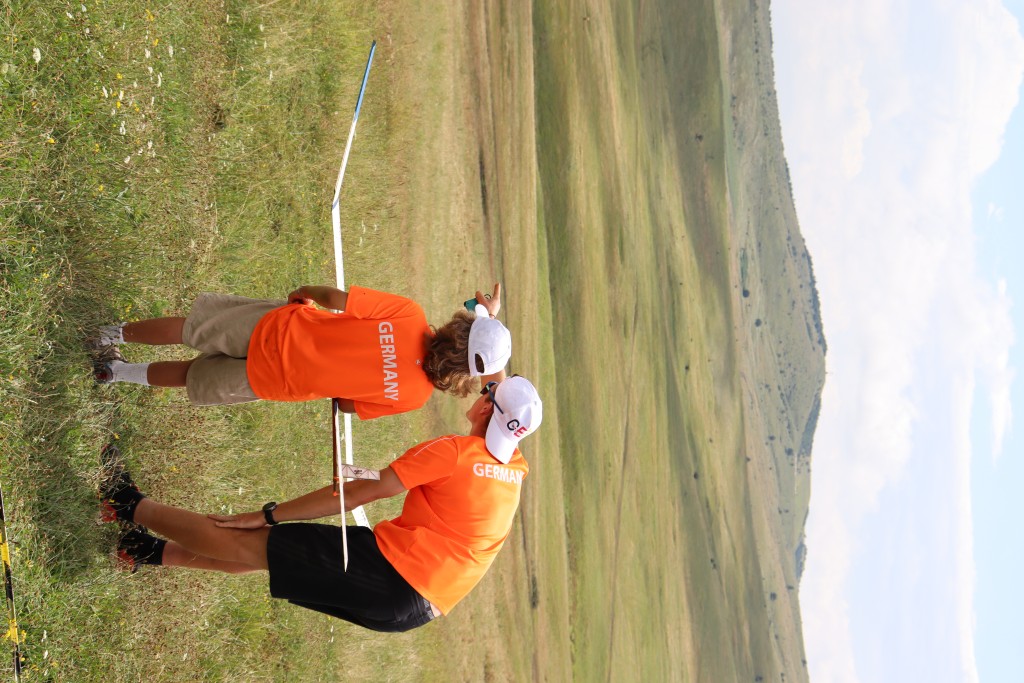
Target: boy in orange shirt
x=463 y=492
x=377 y=354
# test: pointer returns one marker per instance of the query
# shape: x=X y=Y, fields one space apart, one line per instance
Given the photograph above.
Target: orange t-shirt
x=457 y=514
x=372 y=354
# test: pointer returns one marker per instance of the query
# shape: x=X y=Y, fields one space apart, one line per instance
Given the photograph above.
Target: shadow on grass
x=61 y=414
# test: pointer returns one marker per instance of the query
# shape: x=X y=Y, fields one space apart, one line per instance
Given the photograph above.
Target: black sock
x=155 y=554
x=142 y=547
x=123 y=501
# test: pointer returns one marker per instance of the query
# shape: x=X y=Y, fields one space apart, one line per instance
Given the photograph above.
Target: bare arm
x=362 y=491
x=328 y=297
x=320 y=503
x=492 y=302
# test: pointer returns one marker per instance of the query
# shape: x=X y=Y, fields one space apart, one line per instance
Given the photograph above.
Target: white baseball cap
x=518 y=412
x=491 y=341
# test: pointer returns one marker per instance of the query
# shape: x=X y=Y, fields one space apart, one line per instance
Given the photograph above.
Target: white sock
x=136 y=373
x=111 y=334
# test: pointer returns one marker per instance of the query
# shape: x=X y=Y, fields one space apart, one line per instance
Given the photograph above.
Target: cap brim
x=498 y=445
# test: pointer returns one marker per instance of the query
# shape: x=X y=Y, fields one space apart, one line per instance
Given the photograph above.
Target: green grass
x=672 y=556
x=151 y=153
x=617 y=258
x=605 y=162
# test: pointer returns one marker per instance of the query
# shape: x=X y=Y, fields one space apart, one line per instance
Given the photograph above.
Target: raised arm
x=319 y=503
x=328 y=297
x=492 y=302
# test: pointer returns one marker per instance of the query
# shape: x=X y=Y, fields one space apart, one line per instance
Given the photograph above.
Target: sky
x=905 y=142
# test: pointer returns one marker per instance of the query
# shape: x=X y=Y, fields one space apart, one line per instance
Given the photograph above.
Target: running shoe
x=136 y=547
x=118 y=493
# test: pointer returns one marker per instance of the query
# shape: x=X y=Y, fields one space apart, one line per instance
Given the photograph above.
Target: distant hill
x=779 y=320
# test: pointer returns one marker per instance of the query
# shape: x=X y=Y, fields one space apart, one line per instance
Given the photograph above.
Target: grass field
x=617 y=166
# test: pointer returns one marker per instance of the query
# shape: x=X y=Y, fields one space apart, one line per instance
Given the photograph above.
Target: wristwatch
x=268 y=512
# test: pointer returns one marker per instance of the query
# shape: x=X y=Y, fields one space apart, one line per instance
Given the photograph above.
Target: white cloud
x=890 y=110
x=989 y=336
x=996 y=213
x=1001 y=376
x=989 y=75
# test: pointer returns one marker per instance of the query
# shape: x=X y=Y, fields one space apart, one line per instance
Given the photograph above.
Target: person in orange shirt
x=376 y=353
x=462 y=495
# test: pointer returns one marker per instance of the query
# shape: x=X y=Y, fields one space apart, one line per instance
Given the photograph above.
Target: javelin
x=12 y=616
x=339 y=272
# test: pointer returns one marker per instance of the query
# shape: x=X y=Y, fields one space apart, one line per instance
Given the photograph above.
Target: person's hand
x=245 y=520
x=297 y=297
x=492 y=302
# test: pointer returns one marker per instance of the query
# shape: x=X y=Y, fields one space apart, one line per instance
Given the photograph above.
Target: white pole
x=339 y=273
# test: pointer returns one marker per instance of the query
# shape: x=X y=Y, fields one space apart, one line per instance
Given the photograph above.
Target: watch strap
x=268 y=513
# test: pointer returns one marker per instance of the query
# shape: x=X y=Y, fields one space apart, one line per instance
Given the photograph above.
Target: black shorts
x=306 y=569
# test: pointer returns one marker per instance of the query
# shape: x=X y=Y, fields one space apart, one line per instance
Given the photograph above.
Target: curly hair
x=447 y=361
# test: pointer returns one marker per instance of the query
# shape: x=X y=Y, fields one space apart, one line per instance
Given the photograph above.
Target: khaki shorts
x=220 y=326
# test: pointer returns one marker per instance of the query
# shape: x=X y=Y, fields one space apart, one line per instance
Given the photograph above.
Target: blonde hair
x=447 y=361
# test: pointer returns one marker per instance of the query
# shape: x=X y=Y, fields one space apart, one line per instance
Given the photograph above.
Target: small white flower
x=105 y=93
x=121 y=128
x=120 y=95
x=261 y=28
x=70 y=15
x=37 y=55
x=83 y=8
x=170 y=50
x=147 y=57
x=159 y=79
x=149 y=145
x=86 y=30
x=127 y=159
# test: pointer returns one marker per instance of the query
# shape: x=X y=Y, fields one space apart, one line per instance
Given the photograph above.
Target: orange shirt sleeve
x=369 y=411
x=430 y=461
x=370 y=304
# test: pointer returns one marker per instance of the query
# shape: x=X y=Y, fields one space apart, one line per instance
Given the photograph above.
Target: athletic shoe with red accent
x=136 y=547
x=118 y=493
x=102 y=372
x=102 y=357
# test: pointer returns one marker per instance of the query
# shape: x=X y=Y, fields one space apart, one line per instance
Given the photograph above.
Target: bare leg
x=168 y=373
x=199 y=535
x=176 y=556
x=156 y=331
